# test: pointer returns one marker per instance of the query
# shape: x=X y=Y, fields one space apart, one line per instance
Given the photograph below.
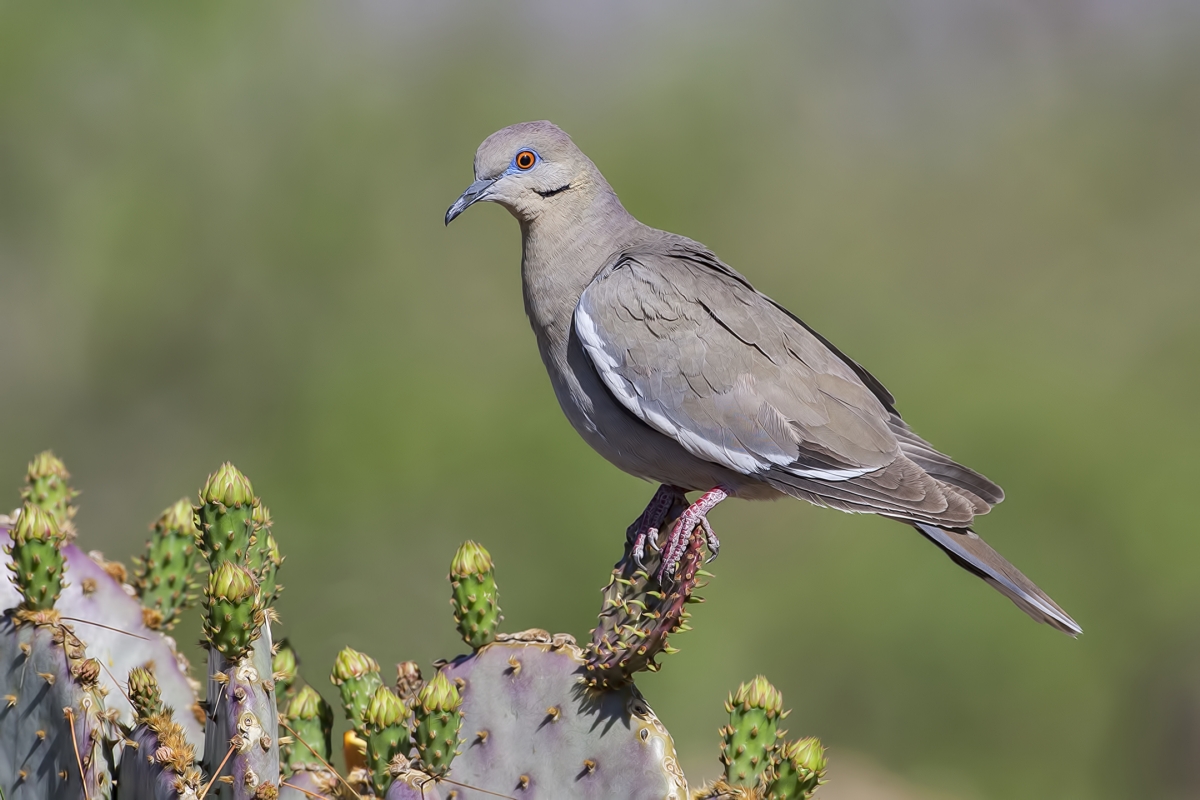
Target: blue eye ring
x=525 y=160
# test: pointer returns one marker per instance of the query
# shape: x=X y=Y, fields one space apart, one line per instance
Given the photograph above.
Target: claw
x=714 y=544
x=693 y=517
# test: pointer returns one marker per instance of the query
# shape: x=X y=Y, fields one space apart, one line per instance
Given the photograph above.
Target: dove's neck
x=563 y=250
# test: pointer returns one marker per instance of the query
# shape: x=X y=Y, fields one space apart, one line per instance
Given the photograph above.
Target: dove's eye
x=525 y=159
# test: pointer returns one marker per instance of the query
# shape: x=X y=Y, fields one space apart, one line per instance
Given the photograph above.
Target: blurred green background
x=221 y=238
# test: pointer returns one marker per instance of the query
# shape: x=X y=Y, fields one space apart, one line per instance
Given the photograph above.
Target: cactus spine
x=437 y=718
x=749 y=739
x=165 y=578
x=474 y=597
x=37 y=562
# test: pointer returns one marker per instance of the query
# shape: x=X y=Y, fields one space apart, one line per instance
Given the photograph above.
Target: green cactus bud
x=166 y=578
x=799 y=770
x=437 y=719
x=234 y=612
x=144 y=694
x=224 y=517
x=474 y=597
x=387 y=735
x=37 y=563
x=284 y=665
x=311 y=718
x=750 y=737
x=47 y=488
x=357 y=677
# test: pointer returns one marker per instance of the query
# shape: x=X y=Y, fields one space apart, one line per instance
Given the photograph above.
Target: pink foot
x=695 y=515
x=646 y=527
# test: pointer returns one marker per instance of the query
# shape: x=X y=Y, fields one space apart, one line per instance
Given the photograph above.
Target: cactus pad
x=307 y=784
x=387 y=735
x=53 y=725
x=47 y=488
x=534 y=729
x=357 y=677
x=243 y=722
x=111 y=623
x=799 y=770
x=474 y=597
x=750 y=737
x=37 y=563
x=224 y=518
x=436 y=721
x=311 y=721
x=166 y=578
x=234 y=610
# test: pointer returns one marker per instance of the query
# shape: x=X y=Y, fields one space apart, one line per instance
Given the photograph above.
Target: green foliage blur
x=221 y=238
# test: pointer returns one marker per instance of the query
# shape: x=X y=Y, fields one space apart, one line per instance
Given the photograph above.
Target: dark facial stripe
x=553 y=192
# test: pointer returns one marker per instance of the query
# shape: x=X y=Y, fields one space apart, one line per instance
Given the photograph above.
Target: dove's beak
x=475 y=192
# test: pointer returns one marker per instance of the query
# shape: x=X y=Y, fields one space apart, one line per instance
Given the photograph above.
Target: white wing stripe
x=607 y=365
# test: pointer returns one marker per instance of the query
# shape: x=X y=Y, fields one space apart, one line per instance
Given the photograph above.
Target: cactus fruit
x=357 y=677
x=234 y=611
x=531 y=724
x=637 y=614
x=54 y=729
x=159 y=762
x=47 y=488
x=473 y=584
x=311 y=721
x=224 y=518
x=166 y=577
x=798 y=771
x=436 y=720
x=37 y=562
x=387 y=735
x=750 y=737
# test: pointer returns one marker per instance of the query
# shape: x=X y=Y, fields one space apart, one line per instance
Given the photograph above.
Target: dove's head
x=530 y=168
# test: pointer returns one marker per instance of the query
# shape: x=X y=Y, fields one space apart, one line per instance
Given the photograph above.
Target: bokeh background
x=221 y=238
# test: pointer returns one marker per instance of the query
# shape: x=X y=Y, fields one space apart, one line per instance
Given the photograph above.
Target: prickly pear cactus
x=798 y=770
x=436 y=721
x=750 y=737
x=47 y=487
x=533 y=728
x=638 y=614
x=159 y=762
x=37 y=562
x=476 y=605
x=312 y=784
x=225 y=518
x=166 y=578
x=357 y=677
x=412 y=784
x=387 y=735
x=310 y=720
x=55 y=734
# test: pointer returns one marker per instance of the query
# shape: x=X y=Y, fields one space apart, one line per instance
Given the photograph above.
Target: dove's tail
x=973 y=554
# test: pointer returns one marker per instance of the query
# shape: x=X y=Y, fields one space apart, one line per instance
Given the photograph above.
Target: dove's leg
x=681 y=531
x=644 y=529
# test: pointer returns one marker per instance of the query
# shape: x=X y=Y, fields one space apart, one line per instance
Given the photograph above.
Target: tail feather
x=973 y=554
